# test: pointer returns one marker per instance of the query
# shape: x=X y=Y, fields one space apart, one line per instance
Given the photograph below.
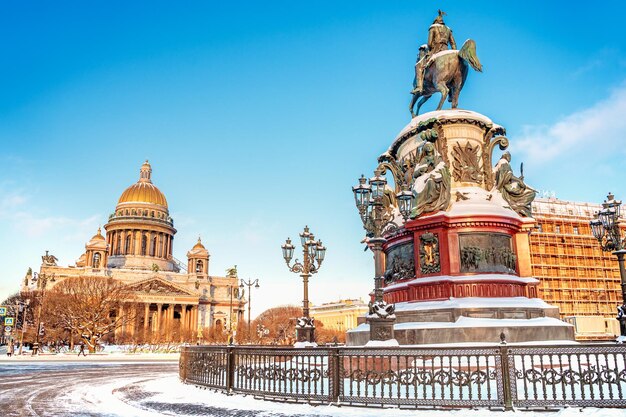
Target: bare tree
x=89 y=307
x=280 y=324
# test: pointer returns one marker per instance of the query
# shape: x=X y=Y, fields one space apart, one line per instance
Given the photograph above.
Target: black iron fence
x=503 y=376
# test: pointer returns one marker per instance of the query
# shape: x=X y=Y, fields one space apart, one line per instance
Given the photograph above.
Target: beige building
x=339 y=315
x=175 y=301
x=574 y=273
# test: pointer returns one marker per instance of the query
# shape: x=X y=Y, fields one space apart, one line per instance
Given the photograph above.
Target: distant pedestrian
x=82 y=349
x=10 y=350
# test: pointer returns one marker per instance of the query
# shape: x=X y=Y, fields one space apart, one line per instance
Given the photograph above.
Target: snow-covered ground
x=153 y=389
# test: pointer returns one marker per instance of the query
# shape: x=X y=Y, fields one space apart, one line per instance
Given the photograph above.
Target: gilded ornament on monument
x=429 y=254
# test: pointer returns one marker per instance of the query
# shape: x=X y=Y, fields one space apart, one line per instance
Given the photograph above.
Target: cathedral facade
x=173 y=301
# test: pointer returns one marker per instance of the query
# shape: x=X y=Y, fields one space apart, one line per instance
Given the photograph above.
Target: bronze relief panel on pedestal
x=400 y=263
x=487 y=252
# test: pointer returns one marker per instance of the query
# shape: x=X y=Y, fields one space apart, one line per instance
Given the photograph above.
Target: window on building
x=570 y=212
x=552 y=210
x=540 y=227
x=557 y=229
x=575 y=230
x=127 y=246
x=118 y=247
x=199 y=267
x=144 y=245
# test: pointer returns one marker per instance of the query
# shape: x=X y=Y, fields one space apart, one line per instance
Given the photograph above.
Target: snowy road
x=149 y=389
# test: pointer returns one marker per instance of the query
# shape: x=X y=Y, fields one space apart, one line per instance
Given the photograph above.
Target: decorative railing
x=500 y=377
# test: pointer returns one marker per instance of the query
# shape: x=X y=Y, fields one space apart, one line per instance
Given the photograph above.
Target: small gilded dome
x=198 y=249
x=98 y=236
x=143 y=191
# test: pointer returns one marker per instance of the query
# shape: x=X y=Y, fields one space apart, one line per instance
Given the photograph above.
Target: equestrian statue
x=439 y=69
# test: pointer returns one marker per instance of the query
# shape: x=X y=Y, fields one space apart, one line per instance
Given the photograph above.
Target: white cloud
x=598 y=129
x=17 y=213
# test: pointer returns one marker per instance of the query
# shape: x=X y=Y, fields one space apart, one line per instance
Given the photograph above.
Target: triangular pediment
x=156 y=285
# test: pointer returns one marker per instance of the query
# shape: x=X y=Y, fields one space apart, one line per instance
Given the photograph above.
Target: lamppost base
x=305 y=334
x=381 y=328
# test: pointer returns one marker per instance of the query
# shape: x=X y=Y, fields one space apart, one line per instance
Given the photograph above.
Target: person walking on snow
x=82 y=349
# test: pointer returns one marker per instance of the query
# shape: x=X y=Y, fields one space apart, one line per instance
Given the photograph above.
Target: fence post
x=183 y=364
x=230 y=368
x=506 y=379
x=333 y=364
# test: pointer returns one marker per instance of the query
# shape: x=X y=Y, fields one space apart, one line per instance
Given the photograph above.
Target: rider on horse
x=439 y=37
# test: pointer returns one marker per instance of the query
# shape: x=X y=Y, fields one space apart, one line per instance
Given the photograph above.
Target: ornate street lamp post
x=377 y=221
x=23 y=306
x=605 y=228
x=313 y=253
x=249 y=283
x=42 y=281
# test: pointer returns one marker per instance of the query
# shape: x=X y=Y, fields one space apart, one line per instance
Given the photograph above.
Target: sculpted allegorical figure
x=513 y=189
x=431 y=186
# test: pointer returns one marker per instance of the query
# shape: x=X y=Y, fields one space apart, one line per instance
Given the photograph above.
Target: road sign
x=3 y=311
x=8 y=321
x=7 y=329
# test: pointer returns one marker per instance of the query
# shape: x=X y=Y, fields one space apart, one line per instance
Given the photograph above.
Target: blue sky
x=257 y=118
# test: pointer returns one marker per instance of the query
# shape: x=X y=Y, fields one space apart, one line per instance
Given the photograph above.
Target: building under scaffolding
x=574 y=273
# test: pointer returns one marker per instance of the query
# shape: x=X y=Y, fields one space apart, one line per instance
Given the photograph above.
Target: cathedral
x=174 y=301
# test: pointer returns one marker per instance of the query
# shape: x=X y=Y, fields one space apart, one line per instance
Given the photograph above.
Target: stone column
x=146 y=319
x=135 y=322
x=137 y=242
x=158 y=319
x=183 y=317
x=169 y=321
x=194 y=321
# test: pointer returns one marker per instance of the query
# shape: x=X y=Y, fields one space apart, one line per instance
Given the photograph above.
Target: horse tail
x=468 y=54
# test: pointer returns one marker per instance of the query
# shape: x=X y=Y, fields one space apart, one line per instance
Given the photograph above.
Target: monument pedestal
x=459 y=270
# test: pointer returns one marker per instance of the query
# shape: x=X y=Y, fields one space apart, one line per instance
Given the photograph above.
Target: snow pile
x=382 y=343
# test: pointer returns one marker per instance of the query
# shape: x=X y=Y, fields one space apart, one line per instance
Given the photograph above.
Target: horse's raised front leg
x=441 y=87
x=422 y=101
x=413 y=100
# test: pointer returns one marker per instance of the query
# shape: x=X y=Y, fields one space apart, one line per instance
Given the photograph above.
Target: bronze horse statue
x=446 y=73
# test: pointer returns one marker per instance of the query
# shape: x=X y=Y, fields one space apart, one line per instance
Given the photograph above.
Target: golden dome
x=143 y=191
x=198 y=245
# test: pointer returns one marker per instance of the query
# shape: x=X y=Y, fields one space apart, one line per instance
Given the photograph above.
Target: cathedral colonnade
x=135 y=242
x=159 y=322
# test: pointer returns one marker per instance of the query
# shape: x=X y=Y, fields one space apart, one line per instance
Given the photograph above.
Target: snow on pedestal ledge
x=304 y=345
x=473 y=302
x=382 y=343
x=482 y=322
x=450 y=114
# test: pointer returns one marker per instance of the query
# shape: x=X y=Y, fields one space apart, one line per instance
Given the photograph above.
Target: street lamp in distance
x=249 y=284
